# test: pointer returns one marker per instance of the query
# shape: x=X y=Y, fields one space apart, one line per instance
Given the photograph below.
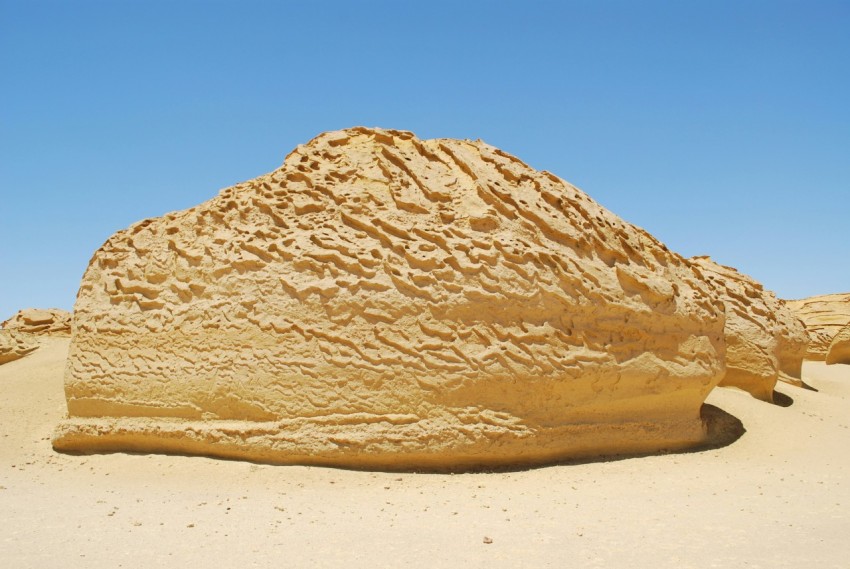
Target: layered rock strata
x=823 y=316
x=839 y=348
x=765 y=340
x=15 y=345
x=382 y=301
x=50 y=321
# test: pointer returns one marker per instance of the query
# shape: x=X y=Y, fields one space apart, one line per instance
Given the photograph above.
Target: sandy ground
x=777 y=497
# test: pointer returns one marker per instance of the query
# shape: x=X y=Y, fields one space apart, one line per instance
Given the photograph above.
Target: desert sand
x=777 y=497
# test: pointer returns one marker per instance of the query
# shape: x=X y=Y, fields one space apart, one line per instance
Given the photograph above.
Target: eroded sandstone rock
x=15 y=345
x=385 y=301
x=839 y=348
x=52 y=321
x=765 y=340
x=823 y=316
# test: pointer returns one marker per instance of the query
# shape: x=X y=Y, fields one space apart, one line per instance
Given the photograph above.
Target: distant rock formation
x=765 y=340
x=19 y=335
x=823 y=316
x=51 y=321
x=384 y=301
x=839 y=348
x=15 y=345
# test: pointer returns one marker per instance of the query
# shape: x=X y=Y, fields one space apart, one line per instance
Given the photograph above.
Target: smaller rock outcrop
x=52 y=321
x=15 y=345
x=19 y=335
x=823 y=316
x=839 y=348
x=765 y=341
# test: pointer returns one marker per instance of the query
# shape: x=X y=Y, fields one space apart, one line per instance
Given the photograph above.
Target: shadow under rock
x=723 y=428
x=782 y=400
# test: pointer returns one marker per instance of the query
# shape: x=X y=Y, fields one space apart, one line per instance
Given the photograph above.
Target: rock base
x=386 y=444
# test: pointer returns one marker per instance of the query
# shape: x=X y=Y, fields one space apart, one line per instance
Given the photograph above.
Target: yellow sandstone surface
x=823 y=316
x=52 y=321
x=839 y=348
x=20 y=334
x=765 y=340
x=387 y=302
x=15 y=345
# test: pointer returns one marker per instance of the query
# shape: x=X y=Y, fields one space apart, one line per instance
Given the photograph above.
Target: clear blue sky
x=722 y=127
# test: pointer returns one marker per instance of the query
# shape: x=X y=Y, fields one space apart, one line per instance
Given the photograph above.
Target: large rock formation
x=765 y=340
x=51 y=321
x=15 y=345
x=823 y=316
x=384 y=301
x=839 y=348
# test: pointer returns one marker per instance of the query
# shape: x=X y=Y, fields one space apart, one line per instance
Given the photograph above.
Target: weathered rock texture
x=19 y=335
x=839 y=348
x=765 y=340
x=384 y=301
x=15 y=345
x=823 y=316
x=52 y=321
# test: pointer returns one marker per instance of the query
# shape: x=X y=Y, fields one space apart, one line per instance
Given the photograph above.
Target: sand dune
x=777 y=497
